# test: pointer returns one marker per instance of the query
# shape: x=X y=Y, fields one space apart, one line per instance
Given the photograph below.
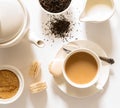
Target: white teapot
x=14 y=24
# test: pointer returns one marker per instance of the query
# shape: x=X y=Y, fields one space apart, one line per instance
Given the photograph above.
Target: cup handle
x=35 y=40
x=99 y=87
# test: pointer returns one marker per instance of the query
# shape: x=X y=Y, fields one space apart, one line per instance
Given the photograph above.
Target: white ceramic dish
x=21 y=84
x=76 y=92
x=52 y=13
x=97 y=10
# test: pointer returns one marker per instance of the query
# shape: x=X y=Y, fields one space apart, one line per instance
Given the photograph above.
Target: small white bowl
x=57 y=13
x=21 y=84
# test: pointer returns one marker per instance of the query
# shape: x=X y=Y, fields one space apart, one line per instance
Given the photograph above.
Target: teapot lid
x=11 y=19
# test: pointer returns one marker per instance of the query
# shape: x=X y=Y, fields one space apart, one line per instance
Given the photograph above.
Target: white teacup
x=81 y=68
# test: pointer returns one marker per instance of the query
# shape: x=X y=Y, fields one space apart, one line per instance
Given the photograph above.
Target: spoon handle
x=108 y=60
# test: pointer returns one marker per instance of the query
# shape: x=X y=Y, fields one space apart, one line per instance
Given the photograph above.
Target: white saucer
x=81 y=93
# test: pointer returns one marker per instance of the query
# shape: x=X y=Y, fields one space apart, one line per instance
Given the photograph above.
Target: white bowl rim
x=57 y=13
x=17 y=72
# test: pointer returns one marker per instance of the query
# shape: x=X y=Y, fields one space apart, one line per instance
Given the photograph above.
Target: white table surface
x=106 y=34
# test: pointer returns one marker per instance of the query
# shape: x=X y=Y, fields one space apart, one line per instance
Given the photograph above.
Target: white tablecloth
x=106 y=34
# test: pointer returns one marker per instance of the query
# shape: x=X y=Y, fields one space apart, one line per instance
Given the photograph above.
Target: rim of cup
x=55 y=13
x=21 y=84
x=95 y=79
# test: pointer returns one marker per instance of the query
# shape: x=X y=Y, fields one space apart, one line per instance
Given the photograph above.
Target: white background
x=106 y=34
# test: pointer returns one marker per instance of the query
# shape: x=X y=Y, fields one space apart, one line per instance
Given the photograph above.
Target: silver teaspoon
x=106 y=59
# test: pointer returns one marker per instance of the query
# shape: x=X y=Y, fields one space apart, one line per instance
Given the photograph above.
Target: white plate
x=81 y=93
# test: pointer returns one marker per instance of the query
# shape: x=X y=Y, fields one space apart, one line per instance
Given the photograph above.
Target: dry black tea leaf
x=60 y=27
x=55 y=6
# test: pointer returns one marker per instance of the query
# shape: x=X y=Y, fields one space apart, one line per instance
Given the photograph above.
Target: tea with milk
x=81 y=68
